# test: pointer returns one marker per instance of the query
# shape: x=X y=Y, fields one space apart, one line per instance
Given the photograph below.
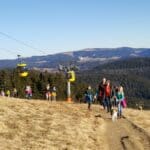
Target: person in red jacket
x=108 y=95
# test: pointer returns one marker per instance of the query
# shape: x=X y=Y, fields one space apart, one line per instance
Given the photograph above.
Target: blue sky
x=52 y=26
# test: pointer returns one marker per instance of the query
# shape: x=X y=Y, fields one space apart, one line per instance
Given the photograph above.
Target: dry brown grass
x=43 y=125
x=141 y=118
x=39 y=125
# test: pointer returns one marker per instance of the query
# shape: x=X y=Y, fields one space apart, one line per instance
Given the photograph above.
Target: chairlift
x=22 y=68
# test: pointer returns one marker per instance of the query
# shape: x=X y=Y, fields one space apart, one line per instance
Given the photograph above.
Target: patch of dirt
x=125 y=135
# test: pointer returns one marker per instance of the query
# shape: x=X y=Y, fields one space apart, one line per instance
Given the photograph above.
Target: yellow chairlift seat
x=22 y=68
x=24 y=74
x=71 y=76
x=21 y=65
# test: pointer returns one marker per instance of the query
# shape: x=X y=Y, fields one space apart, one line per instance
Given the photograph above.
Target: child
x=28 y=92
x=89 y=97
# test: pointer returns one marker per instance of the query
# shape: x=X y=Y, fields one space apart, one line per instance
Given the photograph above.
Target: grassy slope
x=141 y=118
x=43 y=125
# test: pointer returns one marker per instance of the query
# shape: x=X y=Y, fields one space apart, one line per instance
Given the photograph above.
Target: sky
x=41 y=27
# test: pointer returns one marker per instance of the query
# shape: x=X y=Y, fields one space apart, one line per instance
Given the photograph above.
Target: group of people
x=50 y=93
x=109 y=97
x=8 y=93
x=14 y=92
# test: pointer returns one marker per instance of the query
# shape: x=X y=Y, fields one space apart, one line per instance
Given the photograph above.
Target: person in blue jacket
x=89 y=97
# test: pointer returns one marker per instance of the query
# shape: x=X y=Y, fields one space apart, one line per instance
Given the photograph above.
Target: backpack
x=124 y=103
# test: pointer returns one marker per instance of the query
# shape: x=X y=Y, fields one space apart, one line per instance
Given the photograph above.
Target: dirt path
x=124 y=135
x=119 y=135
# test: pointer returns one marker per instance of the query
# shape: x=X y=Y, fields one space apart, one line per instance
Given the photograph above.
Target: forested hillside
x=38 y=81
x=132 y=74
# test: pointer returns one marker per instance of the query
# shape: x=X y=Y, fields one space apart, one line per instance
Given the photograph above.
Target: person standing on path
x=89 y=97
x=108 y=95
x=54 y=93
x=101 y=93
x=120 y=97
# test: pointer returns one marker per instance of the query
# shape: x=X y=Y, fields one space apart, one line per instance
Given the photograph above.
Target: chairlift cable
x=9 y=51
x=21 y=42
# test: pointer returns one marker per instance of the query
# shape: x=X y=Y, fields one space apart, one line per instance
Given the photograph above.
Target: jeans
x=108 y=104
x=104 y=103
x=119 y=109
x=28 y=96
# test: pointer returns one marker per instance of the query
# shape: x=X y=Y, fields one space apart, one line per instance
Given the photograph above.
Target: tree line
x=132 y=74
x=9 y=79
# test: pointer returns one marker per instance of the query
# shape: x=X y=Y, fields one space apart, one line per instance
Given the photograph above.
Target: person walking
x=15 y=92
x=89 y=97
x=28 y=92
x=119 y=98
x=48 y=92
x=113 y=96
x=8 y=93
x=54 y=94
x=101 y=92
x=2 y=93
x=108 y=95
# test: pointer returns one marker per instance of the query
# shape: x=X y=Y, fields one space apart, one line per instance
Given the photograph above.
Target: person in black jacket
x=101 y=92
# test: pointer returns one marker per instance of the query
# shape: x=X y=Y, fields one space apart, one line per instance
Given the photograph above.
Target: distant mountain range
x=85 y=59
